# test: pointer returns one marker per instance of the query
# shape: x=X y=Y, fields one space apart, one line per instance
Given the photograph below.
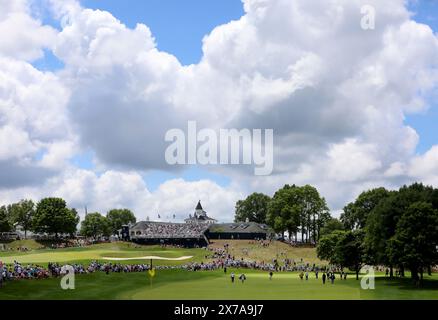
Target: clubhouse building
x=197 y=230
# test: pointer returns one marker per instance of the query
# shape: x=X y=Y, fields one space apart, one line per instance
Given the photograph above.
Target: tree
x=5 y=223
x=416 y=239
x=349 y=250
x=326 y=248
x=296 y=209
x=284 y=210
x=53 y=217
x=315 y=213
x=380 y=227
x=95 y=225
x=356 y=213
x=22 y=213
x=331 y=225
x=382 y=222
x=119 y=217
x=254 y=208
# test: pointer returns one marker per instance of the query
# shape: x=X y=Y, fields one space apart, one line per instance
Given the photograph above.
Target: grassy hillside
x=253 y=251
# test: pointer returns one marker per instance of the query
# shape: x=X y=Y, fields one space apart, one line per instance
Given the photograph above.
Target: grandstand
x=150 y=232
x=196 y=231
x=239 y=230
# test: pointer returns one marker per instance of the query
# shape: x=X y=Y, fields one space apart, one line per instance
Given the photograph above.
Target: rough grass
x=276 y=249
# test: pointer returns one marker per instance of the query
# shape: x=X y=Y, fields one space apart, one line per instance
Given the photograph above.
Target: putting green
x=116 y=252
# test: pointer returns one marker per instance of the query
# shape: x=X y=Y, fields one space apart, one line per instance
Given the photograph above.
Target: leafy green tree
x=379 y=228
x=95 y=225
x=356 y=213
x=53 y=217
x=254 y=208
x=119 y=217
x=349 y=250
x=22 y=213
x=284 y=210
x=382 y=221
x=5 y=223
x=331 y=225
x=416 y=239
x=298 y=209
x=327 y=247
x=315 y=212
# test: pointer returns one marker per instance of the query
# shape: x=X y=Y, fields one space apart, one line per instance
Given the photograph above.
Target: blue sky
x=179 y=27
x=426 y=11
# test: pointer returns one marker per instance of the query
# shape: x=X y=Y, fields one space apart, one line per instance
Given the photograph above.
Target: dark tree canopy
x=298 y=209
x=332 y=225
x=254 y=208
x=415 y=242
x=95 y=225
x=326 y=249
x=119 y=217
x=349 y=250
x=5 y=221
x=356 y=213
x=53 y=217
x=22 y=213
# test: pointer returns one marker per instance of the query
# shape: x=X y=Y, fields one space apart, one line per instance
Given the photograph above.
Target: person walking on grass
x=323 y=278
x=270 y=275
x=1 y=274
x=232 y=277
x=242 y=277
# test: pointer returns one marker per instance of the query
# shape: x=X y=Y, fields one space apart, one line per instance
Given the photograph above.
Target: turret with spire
x=200 y=216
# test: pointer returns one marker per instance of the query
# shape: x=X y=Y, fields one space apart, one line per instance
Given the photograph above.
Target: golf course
x=187 y=285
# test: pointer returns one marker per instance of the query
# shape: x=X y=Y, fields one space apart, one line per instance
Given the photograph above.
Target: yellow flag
x=151 y=273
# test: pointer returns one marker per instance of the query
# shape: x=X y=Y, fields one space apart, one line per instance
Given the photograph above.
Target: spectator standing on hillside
x=323 y=278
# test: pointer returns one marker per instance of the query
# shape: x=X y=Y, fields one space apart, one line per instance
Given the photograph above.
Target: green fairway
x=178 y=284
x=98 y=252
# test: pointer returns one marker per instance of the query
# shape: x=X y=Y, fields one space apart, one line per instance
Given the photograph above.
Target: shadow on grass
x=408 y=284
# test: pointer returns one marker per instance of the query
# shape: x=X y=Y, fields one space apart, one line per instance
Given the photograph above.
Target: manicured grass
x=99 y=251
x=178 y=284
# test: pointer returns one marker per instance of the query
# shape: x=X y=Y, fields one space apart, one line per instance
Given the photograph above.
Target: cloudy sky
x=89 y=88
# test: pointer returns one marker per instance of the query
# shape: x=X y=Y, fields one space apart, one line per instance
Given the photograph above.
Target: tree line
x=52 y=216
x=396 y=229
x=299 y=211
